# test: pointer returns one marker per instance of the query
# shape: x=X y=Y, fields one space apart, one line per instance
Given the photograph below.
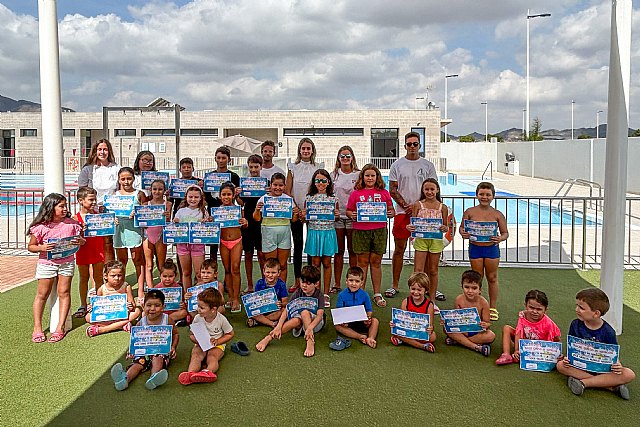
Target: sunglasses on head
x=412 y=144
x=321 y=180
x=345 y=156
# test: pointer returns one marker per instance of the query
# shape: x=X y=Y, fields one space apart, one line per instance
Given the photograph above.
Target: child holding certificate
x=428 y=250
x=191 y=209
x=417 y=302
x=533 y=324
x=52 y=222
x=305 y=321
x=370 y=238
x=484 y=254
x=276 y=232
x=322 y=242
x=219 y=332
x=364 y=331
x=90 y=256
x=591 y=305
x=168 y=274
x=208 y=274
x=471 y=298
x=153 y=245
x=158 y=364
x=114 y=275
x=271 y=279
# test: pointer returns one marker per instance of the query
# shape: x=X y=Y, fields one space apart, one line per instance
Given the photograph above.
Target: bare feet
x=371 y=342
x=263 y=343
x=310 y=350
x=363 y=339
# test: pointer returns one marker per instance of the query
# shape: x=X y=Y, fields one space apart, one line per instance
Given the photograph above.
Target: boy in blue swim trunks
x=485 y=255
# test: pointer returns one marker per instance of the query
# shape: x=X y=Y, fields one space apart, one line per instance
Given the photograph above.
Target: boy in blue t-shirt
x=271 y=279
x=365 y=331
x=591 y=304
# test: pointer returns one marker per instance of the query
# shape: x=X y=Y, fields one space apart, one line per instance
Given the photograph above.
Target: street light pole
x=486 y=121
x=446 y=97
x=529 y=16
x=598 y=123
x=572 y=104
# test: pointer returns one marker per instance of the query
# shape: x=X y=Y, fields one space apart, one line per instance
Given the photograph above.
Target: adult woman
x=344 y=175
x=100 y=172
x=145 y=161
x=297 y=185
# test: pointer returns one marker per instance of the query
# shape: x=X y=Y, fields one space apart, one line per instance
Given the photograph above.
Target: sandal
x=127 y=327
x=92 y=330
x=380 y=301
x=440 y=296
x=450 y=341
x=335 y=290
x=340 y=344
x=504 y=359
x=327 y=301
x=391 y=292
x=251 y=322
x=293 y=288
x=395 y=340
x=484 y=350
x=38 y=337
x=246 y=292
x=57 y=336
x=81 y=312
x=494 y=315
x=430 y=347
x=238 y=309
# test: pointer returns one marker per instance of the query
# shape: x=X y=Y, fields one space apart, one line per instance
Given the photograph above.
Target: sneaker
x=119 y=377
x=185 y=378
x=204 y=376
x=576 y=386
x=327 y=301
x=622 y=391
x=436 y=310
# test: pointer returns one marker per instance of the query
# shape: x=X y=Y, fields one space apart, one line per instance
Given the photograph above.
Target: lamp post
x=572 y=104
x=446 y=96
x=486 y=121
x=529 y=16
x=598 y=123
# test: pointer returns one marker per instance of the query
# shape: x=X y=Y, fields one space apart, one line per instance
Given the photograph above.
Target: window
x=199 y=132
x=158 y=132
x=124 y=132
x=68 y=132
x=323 y=132
x=28 y=132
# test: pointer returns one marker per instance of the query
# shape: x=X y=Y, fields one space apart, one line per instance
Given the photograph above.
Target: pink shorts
x=189 y=249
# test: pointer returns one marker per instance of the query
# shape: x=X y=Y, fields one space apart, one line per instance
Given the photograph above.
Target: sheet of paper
x=348 y=314
x=202 y=336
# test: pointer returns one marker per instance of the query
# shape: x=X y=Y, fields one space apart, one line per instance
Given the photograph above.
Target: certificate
x=371 y=211
x=461 y=320
x=538 y=355
x=175 y=233
x=426 y=228
x=109 y=307
x=261 y=302
x=298 y=305
x=200 y=332
x=348 y=314
x=591 y=356
x=192 y=303
x=149 y=176
x=213 y=181
x=172 y=297
x=227 y=216
x=150 y=340
x=253 y=186
x=480 y=231
x=120 y=205
x=204 y=233
x=321 y=210
x=149 y=216
x=277 y=207
x=100 y=225
x=179 y=186
x=65 y=247
x=408 y=324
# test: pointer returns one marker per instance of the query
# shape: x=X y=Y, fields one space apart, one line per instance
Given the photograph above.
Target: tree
x=536 y=127
x=635 y=133
x=467 y=138
x=497 y=137
x=584 y=136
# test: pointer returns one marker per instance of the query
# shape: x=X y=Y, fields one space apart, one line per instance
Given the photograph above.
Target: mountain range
x=21 y=105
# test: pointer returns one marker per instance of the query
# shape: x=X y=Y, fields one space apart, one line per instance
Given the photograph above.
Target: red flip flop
x=56 y=336
x=203 y=376
x=38 y=337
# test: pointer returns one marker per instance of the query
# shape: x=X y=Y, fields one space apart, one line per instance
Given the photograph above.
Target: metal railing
x=490 y=169
x=542 y=230
x=585 y=183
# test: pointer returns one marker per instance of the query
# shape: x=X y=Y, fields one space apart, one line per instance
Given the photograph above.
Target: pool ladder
x=570 y=182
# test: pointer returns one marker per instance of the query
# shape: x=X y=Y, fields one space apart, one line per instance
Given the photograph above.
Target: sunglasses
x=412 y=144
x=321 y=181
x=345 y=156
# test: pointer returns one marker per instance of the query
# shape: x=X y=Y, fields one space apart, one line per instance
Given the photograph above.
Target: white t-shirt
x=188 y=214
x=105 y=180
x=343 y=184
x=302 y=173
x=410 y=174
x=217 y=328
x=268 y=172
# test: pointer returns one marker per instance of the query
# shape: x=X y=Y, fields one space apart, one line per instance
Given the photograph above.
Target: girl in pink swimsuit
x=153 y=244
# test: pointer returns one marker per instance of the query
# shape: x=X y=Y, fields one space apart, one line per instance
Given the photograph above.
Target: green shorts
x=435 y=246
x=366 y=241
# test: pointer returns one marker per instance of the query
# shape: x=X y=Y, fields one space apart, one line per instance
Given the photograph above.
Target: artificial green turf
x=68 y=383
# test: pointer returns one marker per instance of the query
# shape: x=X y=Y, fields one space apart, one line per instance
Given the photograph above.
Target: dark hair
x=433 y=181
x=83 y=192
x=154 y=294
x=255 y=158
x=229 y=185
x=486 y=186
x=310 y=274
x=169 y=264
x=471 y=276
x=538 y=296
x=355 y=271
x=186 y=160
x=312 y=159
x=272 y=263
x=210 y=263
x=278 y=175
x=595 y=298
x=47 y=210
x=379 y=181
x=113 y=264
x=136 y=163
x=313 y=190
x=268 y=143
x=93 y=153
x=412 y=135
x=211 y=297
x=164 y=184
x=126 y=169
x=224 y=150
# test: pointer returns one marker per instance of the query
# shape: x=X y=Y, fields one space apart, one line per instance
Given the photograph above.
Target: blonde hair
x=419 y=278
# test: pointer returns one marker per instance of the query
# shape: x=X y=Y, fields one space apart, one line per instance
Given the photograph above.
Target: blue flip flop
x=240 y=348
x=339 y=344
x=119 y=377
x=157 y=379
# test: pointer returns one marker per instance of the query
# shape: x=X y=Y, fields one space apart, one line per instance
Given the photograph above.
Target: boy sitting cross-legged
x=271 y=279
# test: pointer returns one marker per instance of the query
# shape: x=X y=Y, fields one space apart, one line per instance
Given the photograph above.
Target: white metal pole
x=526 y=108
x=572 y=104
x=446 y=117
x=617 y=147
x=486 y=121
x=53 y=159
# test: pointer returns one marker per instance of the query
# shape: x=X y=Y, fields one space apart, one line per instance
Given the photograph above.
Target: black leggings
x=297 y=230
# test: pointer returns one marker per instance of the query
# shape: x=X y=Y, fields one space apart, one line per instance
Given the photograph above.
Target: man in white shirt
x=268 y=150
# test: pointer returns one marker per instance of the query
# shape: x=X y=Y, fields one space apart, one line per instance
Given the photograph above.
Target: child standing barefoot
x=52 y=222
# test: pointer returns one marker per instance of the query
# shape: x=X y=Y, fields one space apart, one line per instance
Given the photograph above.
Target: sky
x=316 y=54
